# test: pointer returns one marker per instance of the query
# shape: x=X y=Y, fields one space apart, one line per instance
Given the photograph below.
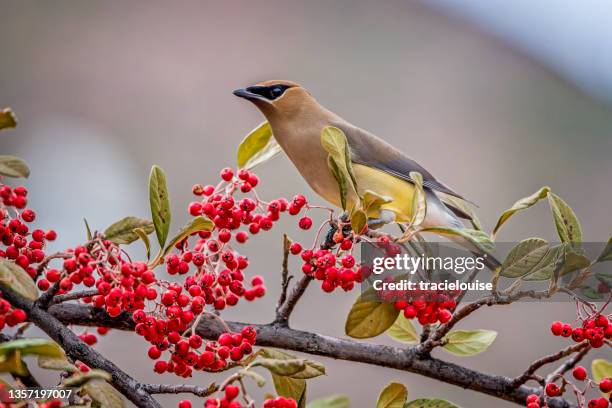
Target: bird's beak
x=247 y=94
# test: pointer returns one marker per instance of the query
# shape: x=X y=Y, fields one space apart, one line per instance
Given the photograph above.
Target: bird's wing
x=371 y=151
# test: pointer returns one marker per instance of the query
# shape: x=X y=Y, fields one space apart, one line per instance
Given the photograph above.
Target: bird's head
x=277 y=98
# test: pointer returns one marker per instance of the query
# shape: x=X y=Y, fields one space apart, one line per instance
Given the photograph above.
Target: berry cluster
x=18 y=243
x=334 y=271
x=595 y=329
x=10 y=316
x=428 y=308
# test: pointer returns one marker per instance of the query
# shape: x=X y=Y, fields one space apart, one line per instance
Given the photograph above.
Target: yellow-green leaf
x=372 y=200
x=79 y=378
x=334 y=142
x=548 y=265
x=11 y=166
x=566 y=221
x=160 y=204
x=461 y=205
x=257 y=147
x=87 y=230
x=479 y=239
x=524 y=257
x=198 y=224
x=521 y=204
x=393 y=395
x=606 y=254
x=142 y=234
x=369 y=318
x=341 y=180
x=123 y=231
x=13 y=276
x=335 y=401
x=403 y=330
x=430 y=403
x=13 y=363
x=7 y=119
x=282 y=367
x=290 y=388
x=468 y=342
x=104 y=393
x=359 y=221
x=311 y=368
x=56 y=363
x=419 y=201
x=40 y=347
x=601 y=369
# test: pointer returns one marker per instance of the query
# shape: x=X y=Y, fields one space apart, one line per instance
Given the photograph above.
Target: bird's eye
x=276 y=92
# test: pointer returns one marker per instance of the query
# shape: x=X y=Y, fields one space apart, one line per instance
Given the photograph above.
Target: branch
x=180 y=389
x=73 y=296
x=78 y=350
x=275 y=335
x=285 y=278
x=523 y=378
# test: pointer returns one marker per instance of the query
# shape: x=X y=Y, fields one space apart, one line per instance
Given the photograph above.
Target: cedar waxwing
x=297 y=121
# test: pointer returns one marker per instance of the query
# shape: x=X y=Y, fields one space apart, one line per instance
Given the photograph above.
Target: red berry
x=552 y=389
x=227 y=174
x=305 y=223
x=579 y=373
x=184 y=404
x=556 y=328
x=605 y=385
x=231 y=392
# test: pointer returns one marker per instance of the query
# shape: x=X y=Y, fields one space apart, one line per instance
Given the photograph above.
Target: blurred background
x=495 y=98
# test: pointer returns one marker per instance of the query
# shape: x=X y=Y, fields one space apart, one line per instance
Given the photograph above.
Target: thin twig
x=569 y=364
x=73 y=296
x=521 y=379
x=285 y=278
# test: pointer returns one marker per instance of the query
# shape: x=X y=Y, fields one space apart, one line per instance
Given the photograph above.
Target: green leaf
x=548 y=265
x=419 y=201
x=40 y=347
x=282 y=367
x=88 y=230
x=13 y=276
x=369 y=318
x=104 y=393
x=393 y=395
x=590 y=293
x=334 y=142
x=335 y=401
x=403 y=331
x=160 y=204
x=7 y=119
x=574 y=260
x=142 y=234
x=197 y=224
x=311 y=369
x=122 y=231
x=479 y=239
x=601 y=369
x=290 y=388
x=468 y=342
x=566 y=222
x=524 y=257
x=606 y=254
x=359 y=221
x=13 y=363
x=430 y=403
x=11 y=166
x=521 y=204
x=257 y=147
x=56 y=363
